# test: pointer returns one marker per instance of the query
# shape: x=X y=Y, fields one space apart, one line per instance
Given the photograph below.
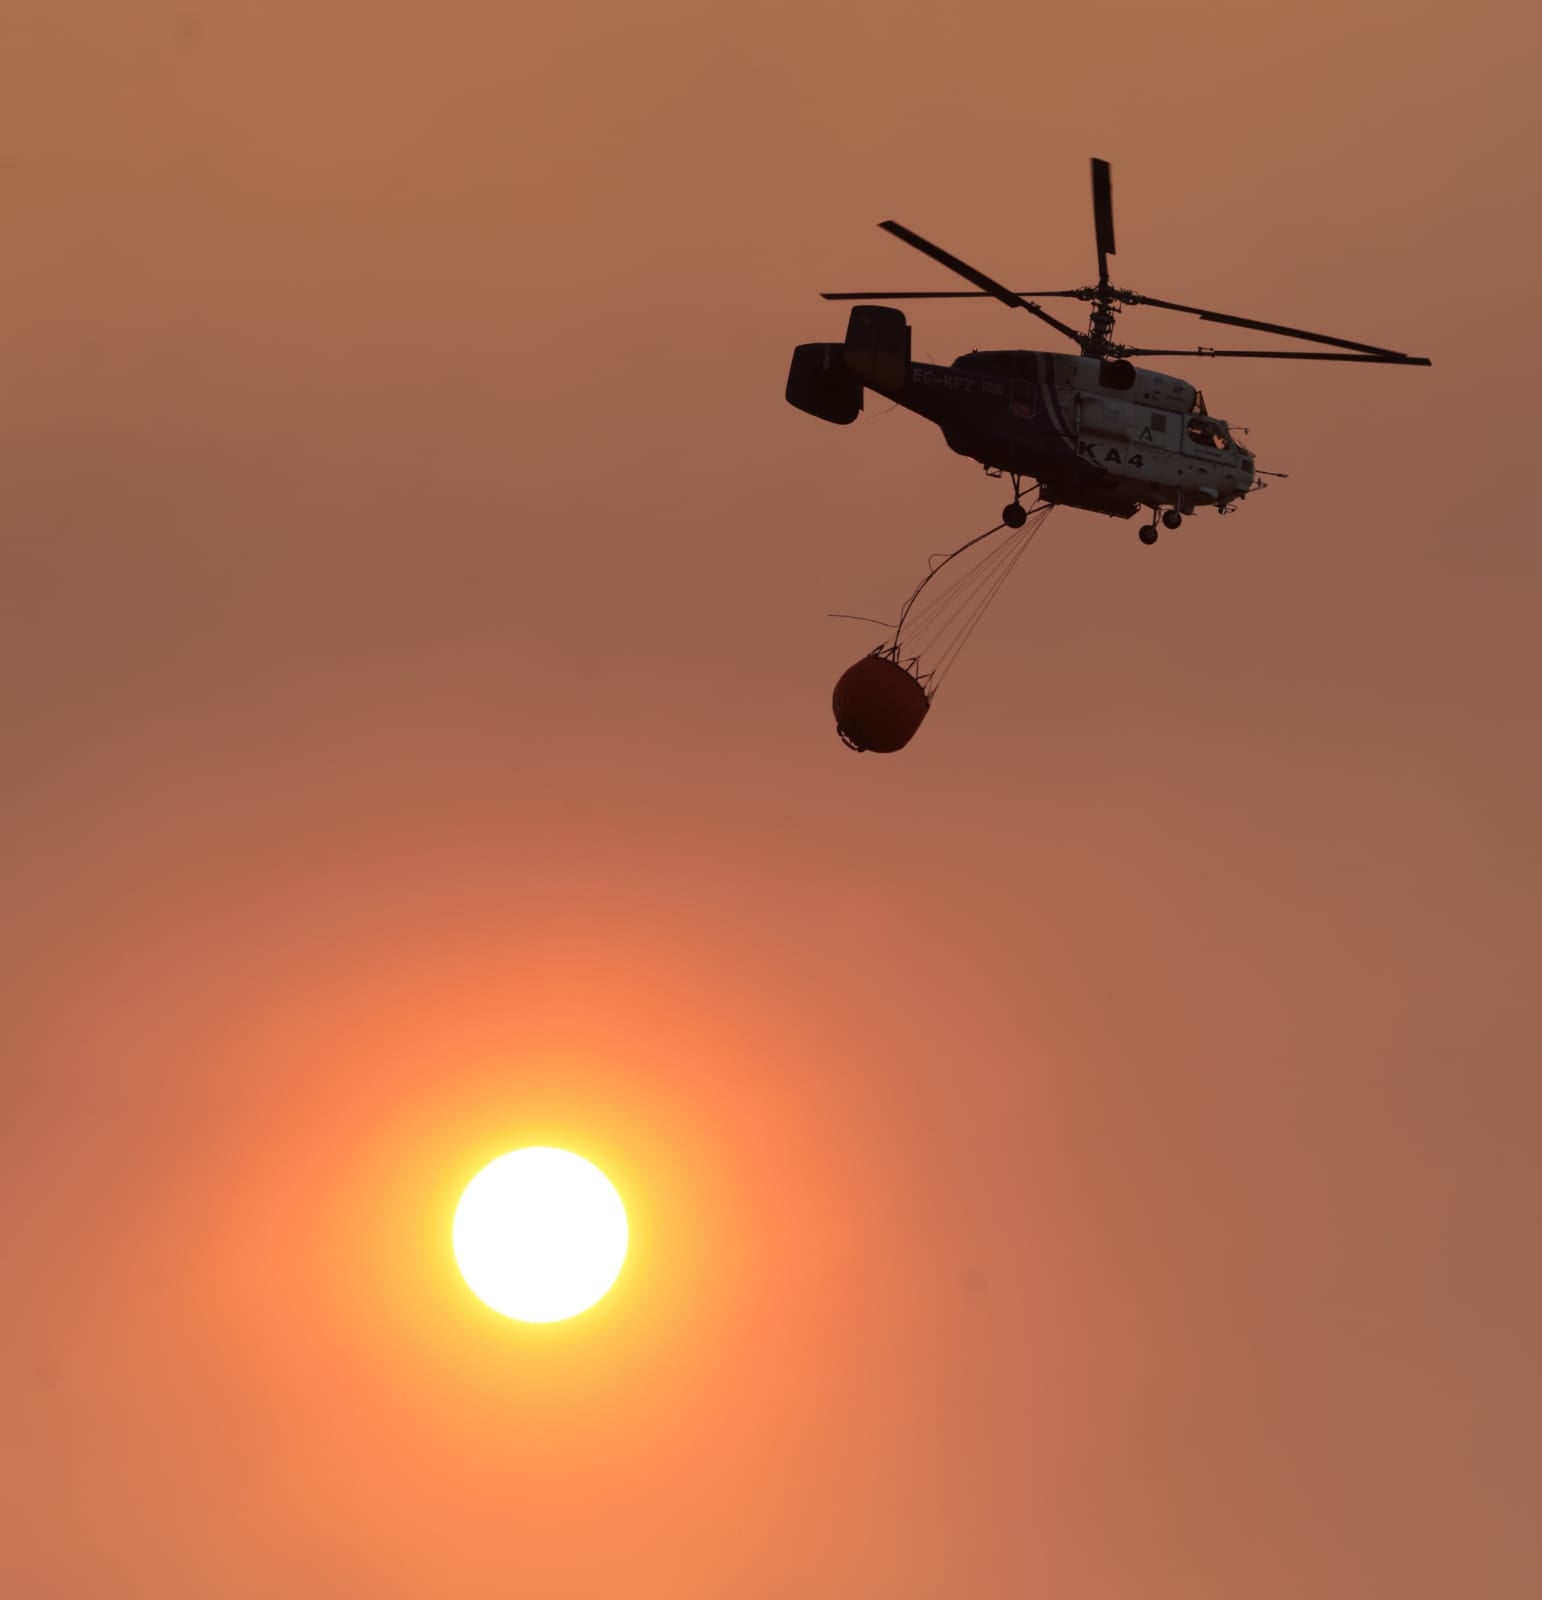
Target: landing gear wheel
x=1148 y=534
x=1172 y=519
x=1013 y=515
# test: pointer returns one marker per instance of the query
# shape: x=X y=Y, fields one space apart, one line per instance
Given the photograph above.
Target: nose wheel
x=1148 y=534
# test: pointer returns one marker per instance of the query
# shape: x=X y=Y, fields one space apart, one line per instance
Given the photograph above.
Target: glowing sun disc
x=540 y=1234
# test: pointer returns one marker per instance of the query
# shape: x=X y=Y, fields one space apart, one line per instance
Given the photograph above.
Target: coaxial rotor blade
x=1261 y=327
x=976 y=277
x=1388 y=358
x=959 y=294
x=1103 y=214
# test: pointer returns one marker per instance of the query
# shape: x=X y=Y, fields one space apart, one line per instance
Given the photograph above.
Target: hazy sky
x=1091 y=1154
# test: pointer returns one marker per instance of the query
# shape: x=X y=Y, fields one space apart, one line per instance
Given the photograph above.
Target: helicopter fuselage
x=1103 y=436
x=1091 y=430
x=1048 y=417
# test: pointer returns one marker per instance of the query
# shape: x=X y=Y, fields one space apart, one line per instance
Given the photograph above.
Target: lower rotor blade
x=1260 y=327
x=957 y=294
x=1389 y=359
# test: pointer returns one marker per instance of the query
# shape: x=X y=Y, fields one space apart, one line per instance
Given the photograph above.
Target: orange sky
x=1091 y=1154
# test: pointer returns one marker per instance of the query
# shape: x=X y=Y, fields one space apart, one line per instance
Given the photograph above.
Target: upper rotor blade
x=1388 y=358
x=1263 y=327
x=974 y=276
x=1103 y=214
x=958 y=294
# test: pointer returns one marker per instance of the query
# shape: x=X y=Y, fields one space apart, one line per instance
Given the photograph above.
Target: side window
x=1159 y=422
x=1022 y=398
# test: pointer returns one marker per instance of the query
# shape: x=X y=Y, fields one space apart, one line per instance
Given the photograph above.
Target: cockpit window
x=1209 y=433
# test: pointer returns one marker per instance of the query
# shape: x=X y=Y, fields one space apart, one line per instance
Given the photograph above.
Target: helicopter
x=1091 y=431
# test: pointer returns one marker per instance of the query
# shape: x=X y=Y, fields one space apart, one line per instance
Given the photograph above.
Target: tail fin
x=820 y=383
x=878 y=348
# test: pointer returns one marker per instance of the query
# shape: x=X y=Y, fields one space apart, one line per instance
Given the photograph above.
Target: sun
x=540 y=1234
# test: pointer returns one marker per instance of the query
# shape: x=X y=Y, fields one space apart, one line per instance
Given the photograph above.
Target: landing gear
x=1171 y=518
x=1015 y=515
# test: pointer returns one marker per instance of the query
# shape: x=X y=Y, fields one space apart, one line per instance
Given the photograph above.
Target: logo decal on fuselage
x=1111 y=454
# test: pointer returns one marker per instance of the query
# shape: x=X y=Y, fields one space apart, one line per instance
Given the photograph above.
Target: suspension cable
x=946 y=620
